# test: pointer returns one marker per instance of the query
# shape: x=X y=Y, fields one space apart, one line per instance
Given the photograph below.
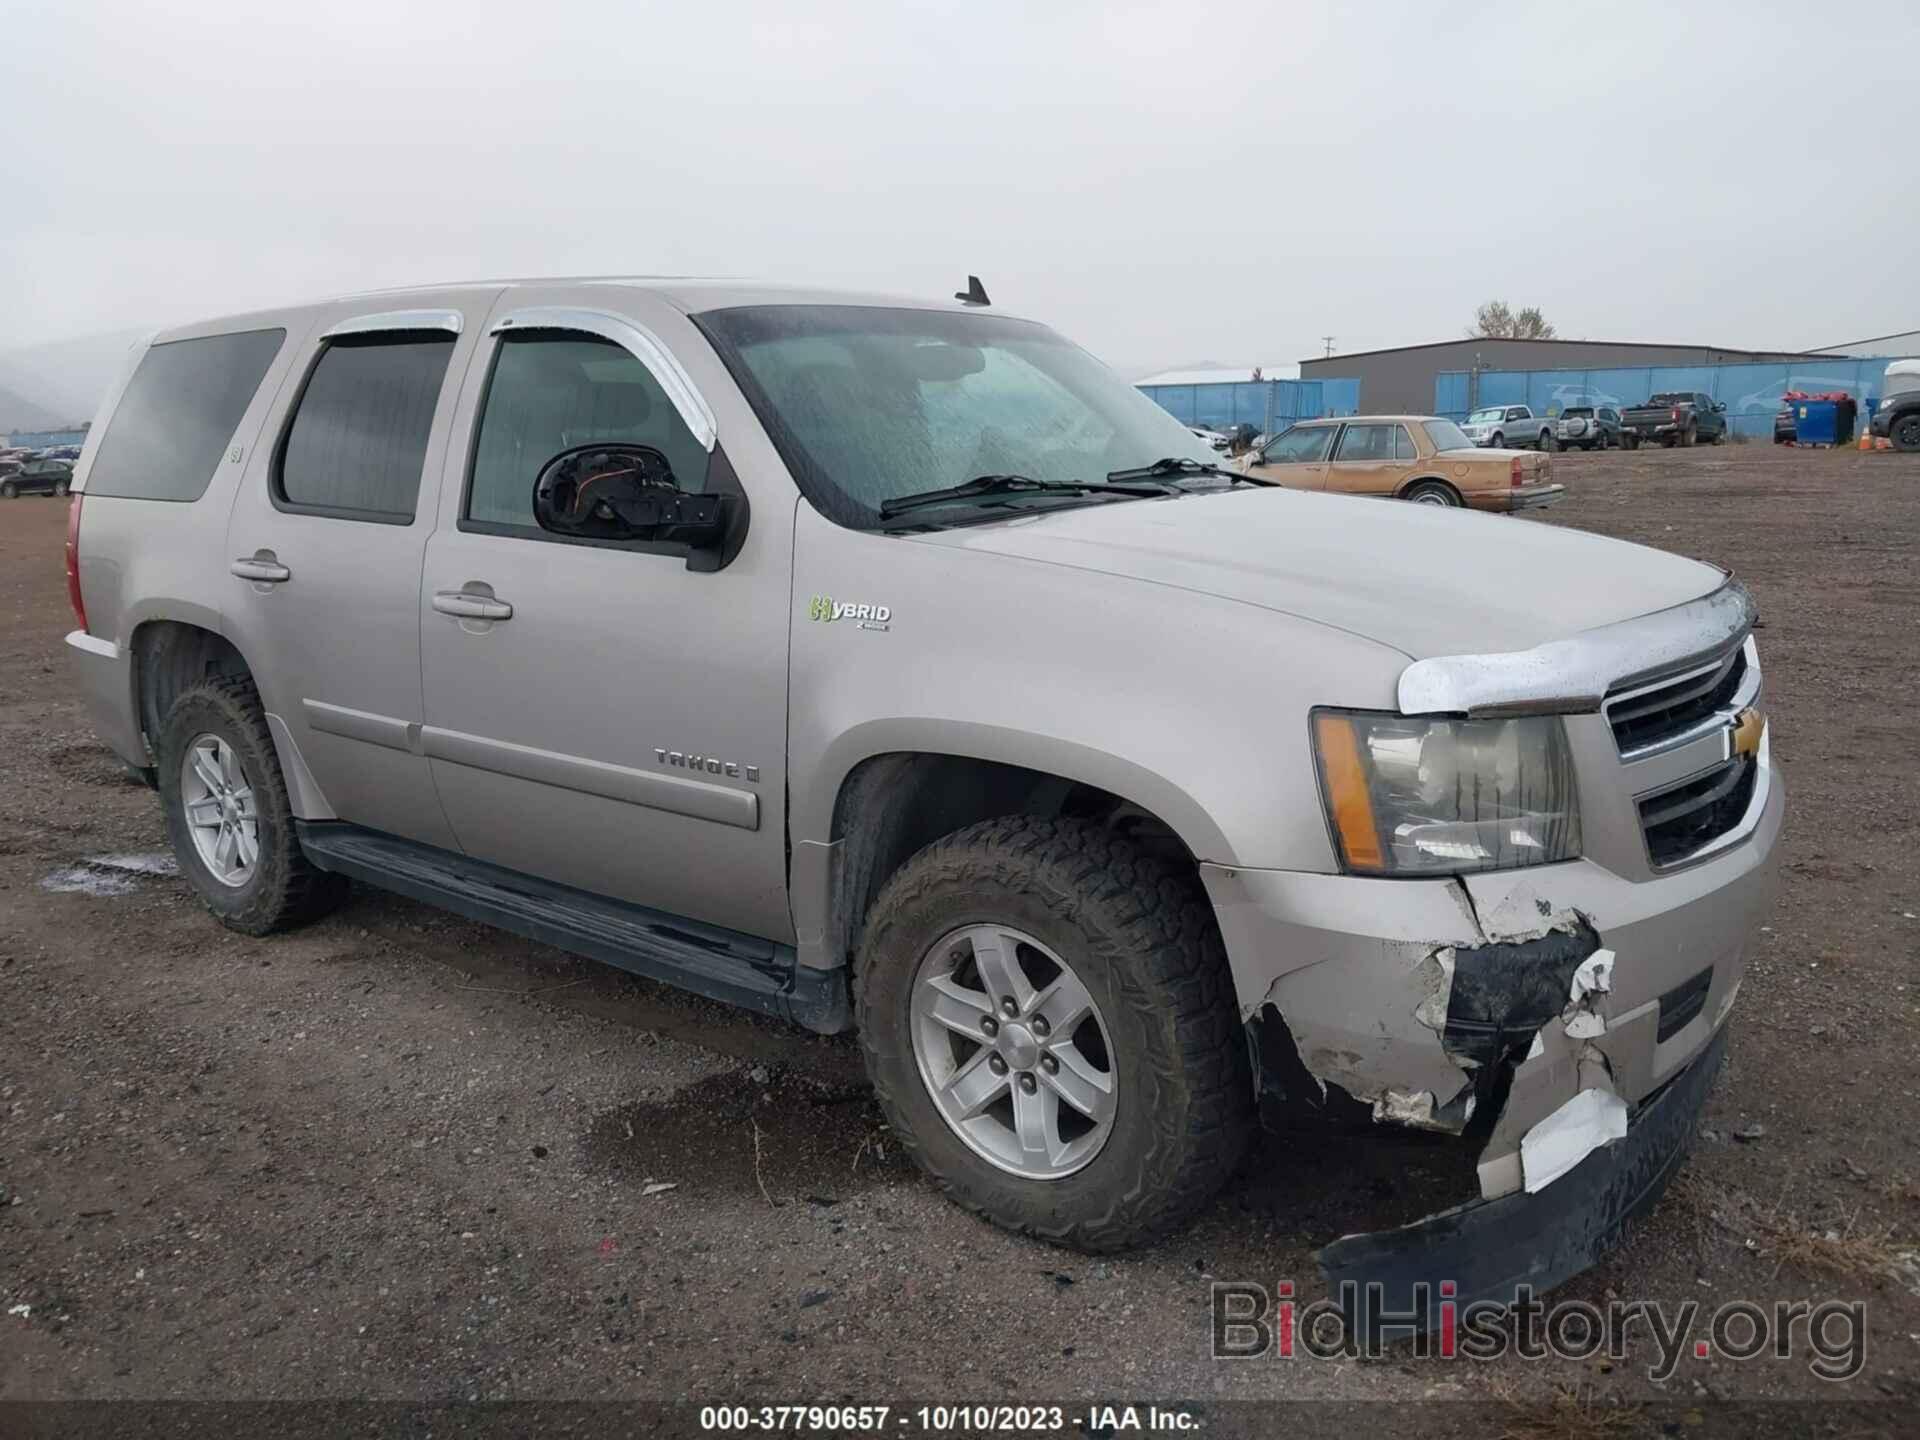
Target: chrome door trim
x=636 y=339
x=1574 y=676
x=449 y=320
x=675 y=794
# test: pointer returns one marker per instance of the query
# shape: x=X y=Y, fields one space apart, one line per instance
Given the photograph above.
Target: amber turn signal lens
x=1347 y=797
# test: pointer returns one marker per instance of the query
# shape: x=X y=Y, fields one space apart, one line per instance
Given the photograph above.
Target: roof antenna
x=974 y=294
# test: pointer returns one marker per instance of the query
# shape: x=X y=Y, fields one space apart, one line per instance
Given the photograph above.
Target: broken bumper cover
x=1389 y=1284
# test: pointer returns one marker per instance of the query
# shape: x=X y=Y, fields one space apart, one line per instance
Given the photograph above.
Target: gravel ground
x=403 y=1156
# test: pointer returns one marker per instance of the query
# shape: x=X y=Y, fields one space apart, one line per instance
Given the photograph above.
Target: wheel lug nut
x=1049 y=1064
x=996 y=1064
x=989 y=1026
x=1028 y=1083
x=1041 y=1027
x=1008 y=1008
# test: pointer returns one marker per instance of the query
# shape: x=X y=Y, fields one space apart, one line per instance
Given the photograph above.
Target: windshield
x=869 y=404
x=1487 y=417
x=1446 y=435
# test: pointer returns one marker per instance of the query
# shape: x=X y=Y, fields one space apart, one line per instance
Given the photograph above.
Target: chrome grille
x=1684 y=819
x=1648 y=719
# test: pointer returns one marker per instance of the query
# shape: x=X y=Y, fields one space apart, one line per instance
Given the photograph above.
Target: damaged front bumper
x=1505 y=995
x=1392 y=1284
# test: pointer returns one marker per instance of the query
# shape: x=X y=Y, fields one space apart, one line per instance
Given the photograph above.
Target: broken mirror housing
x=1415 y=796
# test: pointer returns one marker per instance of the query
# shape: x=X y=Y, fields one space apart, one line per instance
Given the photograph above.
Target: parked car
x=1898 y=416
x=1406 y=457
x=1075 y=786
x=1212 y=439
x=1676 y=417
x=1503 y=427
x=1588 y=427
x=37 y=477
x=1784 y=430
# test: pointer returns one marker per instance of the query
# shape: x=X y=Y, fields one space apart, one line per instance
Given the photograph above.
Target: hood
x=1425 y=580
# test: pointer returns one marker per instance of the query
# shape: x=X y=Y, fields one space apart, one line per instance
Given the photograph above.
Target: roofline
x=1870 y=340
x=1535 y=340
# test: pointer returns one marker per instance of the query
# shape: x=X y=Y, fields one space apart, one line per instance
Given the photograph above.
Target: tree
x=1498 y=320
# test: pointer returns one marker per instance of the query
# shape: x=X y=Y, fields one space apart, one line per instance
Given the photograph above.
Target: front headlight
x=1438 y=797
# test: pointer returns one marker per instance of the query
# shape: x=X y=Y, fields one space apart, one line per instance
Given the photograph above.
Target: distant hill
x=19 y=413
x=60 y=382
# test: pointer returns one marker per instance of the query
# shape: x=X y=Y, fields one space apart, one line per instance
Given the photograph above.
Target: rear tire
x=277 y=887
x=1433 y=492
x=1137 y=934
x=1630 y=442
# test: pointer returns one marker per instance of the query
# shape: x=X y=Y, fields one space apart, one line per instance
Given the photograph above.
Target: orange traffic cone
x=1866 y=438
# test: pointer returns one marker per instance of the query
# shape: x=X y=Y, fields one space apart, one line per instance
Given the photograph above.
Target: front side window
x=869 y=404
x=1518 y=412
x=1366 y=442
x=178 y=413
x=358 y=438
x=1302 y=446
x=552 y=390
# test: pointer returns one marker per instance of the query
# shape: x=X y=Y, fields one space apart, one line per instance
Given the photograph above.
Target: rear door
x=1366 y=461
x=325 y=546
x=1297 y=458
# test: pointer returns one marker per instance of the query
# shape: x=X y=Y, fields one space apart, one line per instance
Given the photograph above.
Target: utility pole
x=1329 y=340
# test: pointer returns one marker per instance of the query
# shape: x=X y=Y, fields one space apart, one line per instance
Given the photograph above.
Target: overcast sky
x=1167 y=183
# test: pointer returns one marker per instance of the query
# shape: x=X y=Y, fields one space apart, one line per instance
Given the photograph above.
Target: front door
x=324 y=547
x=1297 y=458
x=598 y=714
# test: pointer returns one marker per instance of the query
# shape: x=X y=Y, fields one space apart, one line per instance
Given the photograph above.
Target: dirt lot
x=401 y=1155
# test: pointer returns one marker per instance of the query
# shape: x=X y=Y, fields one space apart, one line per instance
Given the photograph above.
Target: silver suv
x=872 y=662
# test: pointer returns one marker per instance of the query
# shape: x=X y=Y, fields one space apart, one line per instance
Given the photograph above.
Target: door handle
x=469 y=606
x=261 y=566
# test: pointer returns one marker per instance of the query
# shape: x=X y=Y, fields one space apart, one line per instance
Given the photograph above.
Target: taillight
x=1513 y=471
x=73 y=561
x=1676 y=413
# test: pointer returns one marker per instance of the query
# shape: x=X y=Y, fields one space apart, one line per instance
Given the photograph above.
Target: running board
x=706 y=959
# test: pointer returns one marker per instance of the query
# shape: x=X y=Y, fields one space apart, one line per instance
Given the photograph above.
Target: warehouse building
x=1402 y=380
x=1878 y=347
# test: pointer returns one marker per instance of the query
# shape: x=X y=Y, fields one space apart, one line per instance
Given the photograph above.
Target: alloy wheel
x=220 y=808
x=1013 y=1051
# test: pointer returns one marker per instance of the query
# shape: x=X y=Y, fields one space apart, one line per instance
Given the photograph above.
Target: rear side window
x=178 y=413
x=1367 y=442
x=359 y=432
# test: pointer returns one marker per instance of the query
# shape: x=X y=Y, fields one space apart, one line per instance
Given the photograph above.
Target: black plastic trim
x=709 y=960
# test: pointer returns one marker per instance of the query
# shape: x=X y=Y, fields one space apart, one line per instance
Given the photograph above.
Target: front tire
x=8 y=490
x=228 y=815
x=1906 y=433
x=1104 y=1125
x=1497 y=441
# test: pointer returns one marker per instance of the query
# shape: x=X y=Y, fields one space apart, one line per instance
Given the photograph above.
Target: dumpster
x=1823 y=419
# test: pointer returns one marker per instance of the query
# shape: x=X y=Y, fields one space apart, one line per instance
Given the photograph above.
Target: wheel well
x=893 y=806
x=170 y=657
x=1412 y=485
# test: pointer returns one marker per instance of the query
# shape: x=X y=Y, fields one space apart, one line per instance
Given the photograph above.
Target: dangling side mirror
x=625 y=493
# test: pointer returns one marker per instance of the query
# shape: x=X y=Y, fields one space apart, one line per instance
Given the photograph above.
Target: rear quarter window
x=178 y=413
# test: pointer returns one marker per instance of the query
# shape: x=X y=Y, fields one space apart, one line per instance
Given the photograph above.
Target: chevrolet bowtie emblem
x=1748 y=726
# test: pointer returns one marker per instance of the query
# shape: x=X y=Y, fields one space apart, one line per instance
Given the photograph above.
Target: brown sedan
x=1406 y=457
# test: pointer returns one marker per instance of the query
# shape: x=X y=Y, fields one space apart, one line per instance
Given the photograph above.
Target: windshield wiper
x=982 y=486
x=1173 y=466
